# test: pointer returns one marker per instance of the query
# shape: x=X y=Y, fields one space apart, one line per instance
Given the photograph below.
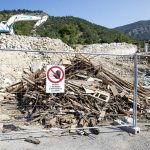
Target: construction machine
x=7 y=26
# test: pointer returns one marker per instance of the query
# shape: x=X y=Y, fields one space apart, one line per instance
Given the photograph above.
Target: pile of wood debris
x=92 y=95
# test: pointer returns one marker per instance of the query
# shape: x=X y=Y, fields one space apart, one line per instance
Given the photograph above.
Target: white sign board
x=55 y=79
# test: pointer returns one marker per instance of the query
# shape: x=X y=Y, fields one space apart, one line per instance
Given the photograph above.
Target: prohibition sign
x=51 y=70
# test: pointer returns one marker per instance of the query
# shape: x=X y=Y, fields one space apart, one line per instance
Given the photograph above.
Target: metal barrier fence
x=143 y=73
x=95 y=86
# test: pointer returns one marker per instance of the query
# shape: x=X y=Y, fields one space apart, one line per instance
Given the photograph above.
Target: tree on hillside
x=69 y=34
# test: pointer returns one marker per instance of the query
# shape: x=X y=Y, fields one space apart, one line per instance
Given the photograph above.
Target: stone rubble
x=118 y=58
x=14 y=62
x=32 y=43
x=111 y=49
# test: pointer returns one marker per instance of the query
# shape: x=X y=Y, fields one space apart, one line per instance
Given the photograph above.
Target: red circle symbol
x=51 y=70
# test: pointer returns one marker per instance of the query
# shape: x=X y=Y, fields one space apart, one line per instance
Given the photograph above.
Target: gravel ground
x=113 y=139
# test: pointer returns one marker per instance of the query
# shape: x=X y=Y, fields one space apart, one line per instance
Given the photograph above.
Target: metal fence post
x=135 y=91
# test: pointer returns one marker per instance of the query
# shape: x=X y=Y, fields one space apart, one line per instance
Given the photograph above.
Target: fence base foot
x=130 y=129
x=126 y=127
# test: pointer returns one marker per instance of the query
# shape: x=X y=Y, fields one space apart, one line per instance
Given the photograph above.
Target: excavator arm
x=8 y=26
x=41 y=21
x=38 y=23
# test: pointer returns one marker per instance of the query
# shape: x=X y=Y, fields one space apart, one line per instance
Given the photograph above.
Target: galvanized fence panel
x=143 y=68
x=95 y=87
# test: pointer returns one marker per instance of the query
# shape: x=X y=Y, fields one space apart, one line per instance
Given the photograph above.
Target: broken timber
x=92 y=95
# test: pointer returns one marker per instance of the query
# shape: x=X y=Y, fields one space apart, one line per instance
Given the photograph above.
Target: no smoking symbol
x=59 y=74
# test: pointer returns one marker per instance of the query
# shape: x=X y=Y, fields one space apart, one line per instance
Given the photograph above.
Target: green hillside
x=139 y=30
x=71 y=30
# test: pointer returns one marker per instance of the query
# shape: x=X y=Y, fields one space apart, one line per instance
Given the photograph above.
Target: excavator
x=7 y=26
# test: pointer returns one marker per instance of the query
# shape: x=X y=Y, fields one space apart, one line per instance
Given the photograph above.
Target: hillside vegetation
x=139 y=30
x=71 y=30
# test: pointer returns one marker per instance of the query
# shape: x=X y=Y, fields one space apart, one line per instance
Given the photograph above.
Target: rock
x=72 y=130
x=118 y=122
x=148 y=111
x=1 y=98
x=37 y=65
x=1 y=127
x=7 y=81
x=26 y=71
x=4 y=117
x=128 y=120
x=32 y=140
x=148 y=116
x=66 y=62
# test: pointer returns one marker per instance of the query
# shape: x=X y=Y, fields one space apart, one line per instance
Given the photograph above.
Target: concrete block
x=130 y=129
x=126 y=127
